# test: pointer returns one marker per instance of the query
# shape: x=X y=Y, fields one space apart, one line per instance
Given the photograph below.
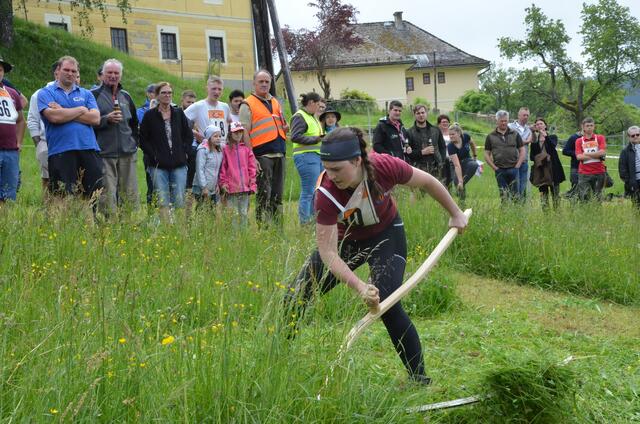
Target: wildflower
x=168 y=340
x=54 y=411
x=84 y=242
x=143 y=364
x=122 y=340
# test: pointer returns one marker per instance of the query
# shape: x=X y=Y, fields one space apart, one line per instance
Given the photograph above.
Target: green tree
x=611 y=54
x=475 y=101
x=82 y=9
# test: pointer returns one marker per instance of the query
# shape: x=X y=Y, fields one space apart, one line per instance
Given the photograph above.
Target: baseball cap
x=236 y=126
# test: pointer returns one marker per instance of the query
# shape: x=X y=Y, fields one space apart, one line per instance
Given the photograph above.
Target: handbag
x=541 y=174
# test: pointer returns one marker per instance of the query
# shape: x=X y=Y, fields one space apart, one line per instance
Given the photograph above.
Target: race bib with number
x=590 y=146
x=8 y=112
x=217 y=118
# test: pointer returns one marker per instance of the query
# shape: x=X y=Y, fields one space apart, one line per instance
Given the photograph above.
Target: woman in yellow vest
x=306 y=134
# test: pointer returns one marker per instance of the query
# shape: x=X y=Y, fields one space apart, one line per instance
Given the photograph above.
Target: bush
x=421 y=101
x=356 y=101
x=474 y=101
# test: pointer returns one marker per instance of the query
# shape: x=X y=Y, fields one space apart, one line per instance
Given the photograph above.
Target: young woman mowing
x=357 y=221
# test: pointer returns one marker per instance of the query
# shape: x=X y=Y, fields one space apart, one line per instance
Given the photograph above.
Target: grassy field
x=131 y=321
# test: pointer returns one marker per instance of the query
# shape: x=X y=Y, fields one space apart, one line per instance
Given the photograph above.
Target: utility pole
x=435 y=83
x=263 y=38
x=284 y=64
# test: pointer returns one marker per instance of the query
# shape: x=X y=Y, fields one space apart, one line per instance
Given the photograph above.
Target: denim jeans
x=309 y=167
x=169 y=185
x=9 y=170
x=508 y=182
x=523 y=179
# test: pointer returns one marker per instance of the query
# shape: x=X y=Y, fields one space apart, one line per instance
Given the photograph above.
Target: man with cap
x=12 y=126
x=150 y=93
x=98 y=83
x=117 y=136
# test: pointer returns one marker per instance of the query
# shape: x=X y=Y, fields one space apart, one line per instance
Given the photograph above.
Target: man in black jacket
x=117 y=136
x=390 y=136
x=629 y=165
x=428 y=148
x=569 y=149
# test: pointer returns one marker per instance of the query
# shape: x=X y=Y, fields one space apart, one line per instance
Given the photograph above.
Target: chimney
x=397 y=17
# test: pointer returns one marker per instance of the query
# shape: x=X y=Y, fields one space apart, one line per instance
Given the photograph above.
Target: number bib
x=8 y=112
x=217 y=119
x=590 y=146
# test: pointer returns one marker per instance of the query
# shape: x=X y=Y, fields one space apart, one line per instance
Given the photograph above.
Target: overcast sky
x=471 y=25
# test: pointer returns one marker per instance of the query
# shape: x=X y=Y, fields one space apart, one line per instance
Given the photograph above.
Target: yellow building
x=395 y=61
x=181 y=36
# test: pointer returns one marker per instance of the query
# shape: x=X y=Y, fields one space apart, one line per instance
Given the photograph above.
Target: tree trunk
x=325 y=84
x=6 y=23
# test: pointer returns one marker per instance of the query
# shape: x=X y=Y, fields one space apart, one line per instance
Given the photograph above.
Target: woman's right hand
x=459 y=221
x=371 y=296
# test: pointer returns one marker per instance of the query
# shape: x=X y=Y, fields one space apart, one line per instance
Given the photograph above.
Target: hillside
x=37 y=47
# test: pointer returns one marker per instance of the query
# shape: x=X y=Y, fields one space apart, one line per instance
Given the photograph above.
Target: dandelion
x=122 y=340
x=168 y=340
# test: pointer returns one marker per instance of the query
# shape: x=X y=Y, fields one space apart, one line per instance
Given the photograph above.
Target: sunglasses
x=634 y=135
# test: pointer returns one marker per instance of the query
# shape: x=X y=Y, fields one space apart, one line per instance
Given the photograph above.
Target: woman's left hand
x=459 y=221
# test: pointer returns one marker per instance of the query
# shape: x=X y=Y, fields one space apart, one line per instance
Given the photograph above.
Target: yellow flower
x=84 y=242
x=53 y=411
x=168 y=340
x=143 y=364
x=122 y=340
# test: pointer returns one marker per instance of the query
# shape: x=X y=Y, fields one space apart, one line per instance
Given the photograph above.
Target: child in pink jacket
x=237 y=179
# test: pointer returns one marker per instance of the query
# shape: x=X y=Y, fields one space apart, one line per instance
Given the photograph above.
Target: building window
x=168 y=43
x=62 y=22
x=426 y=78
x=409 y=83
x=216 y=48
x=169 y=46
x=59 y=25
x=119 y=39
x=441 y=79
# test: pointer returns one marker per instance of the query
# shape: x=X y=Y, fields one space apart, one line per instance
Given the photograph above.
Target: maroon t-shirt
x=390 y=171
x=10 y=107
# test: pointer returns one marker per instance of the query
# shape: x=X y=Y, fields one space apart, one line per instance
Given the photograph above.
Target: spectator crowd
x=210 y=152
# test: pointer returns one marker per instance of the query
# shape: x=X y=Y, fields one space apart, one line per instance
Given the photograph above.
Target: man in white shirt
x=210 y=111
x=521 y=126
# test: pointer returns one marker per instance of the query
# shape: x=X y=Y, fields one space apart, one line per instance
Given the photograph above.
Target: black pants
x=270 y=182
x=77 y=172
x=191 y=166
x=386 y=255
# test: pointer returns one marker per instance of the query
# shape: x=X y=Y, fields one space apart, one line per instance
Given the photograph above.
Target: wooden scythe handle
x=405 y=288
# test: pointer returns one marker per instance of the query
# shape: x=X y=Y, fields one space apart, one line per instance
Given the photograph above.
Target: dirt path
x=556 y=311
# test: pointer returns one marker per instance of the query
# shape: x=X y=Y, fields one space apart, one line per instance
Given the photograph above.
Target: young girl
x=238 y=172
x=208 y=163
x=357 y=221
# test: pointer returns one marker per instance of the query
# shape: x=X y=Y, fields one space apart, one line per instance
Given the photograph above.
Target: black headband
x=335 y=151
